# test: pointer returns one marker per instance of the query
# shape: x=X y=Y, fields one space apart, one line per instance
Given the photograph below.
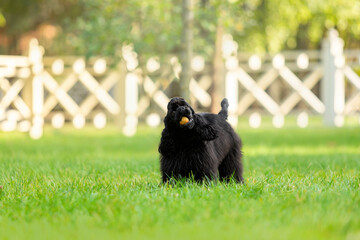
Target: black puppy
x=199 y=145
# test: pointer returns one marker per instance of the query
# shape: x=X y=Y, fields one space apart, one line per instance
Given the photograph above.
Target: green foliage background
x=154 y=27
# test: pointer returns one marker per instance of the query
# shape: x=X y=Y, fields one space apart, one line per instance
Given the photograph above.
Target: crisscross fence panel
x=21 y=91
x=278 y=84
x=37 y=89
x=293 y=82
x=78 y=89
x=15 y=74
x=352 y=87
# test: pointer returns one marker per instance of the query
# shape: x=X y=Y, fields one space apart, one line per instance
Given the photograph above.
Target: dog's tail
x=224 y=108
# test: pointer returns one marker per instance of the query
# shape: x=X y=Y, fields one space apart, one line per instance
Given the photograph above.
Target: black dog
x=202 y=146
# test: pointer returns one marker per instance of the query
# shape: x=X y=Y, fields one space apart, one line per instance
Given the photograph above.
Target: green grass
x=90 y=184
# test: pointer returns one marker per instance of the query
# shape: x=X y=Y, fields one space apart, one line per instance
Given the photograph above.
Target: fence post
x=131 y=103
x=120 y=93
x=232 y=89
x=332 y=85
x=231 y=93
x=229 y=50
x=126 y=93
x=36 y=53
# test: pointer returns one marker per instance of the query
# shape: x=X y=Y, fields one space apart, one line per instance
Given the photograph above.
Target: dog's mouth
x=186 y=122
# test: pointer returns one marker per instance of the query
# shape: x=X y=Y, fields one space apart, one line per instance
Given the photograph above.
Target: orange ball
x=184 y=120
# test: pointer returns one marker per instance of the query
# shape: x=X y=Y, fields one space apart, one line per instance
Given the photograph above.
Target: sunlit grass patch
x=299 y=183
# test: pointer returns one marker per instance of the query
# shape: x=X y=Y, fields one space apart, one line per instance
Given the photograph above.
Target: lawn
x=91 y=184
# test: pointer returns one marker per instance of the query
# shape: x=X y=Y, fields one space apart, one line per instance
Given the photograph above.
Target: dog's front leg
x=167 y=151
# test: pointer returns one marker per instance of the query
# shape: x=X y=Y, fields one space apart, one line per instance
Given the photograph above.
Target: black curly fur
x=205 y=147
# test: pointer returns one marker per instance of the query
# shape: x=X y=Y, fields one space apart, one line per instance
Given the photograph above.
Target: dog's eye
x=174 y=107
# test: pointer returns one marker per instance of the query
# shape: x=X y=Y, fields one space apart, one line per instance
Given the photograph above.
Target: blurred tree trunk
x=187 y=47
x=218 y=89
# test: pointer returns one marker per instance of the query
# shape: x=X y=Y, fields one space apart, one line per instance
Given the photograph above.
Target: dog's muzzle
x=185 y=112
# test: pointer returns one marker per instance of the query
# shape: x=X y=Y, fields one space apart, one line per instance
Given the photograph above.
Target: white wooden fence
x=328 y=70
x=35 y=89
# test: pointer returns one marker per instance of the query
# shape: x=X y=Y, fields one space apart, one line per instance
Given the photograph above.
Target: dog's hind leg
x=231 y=167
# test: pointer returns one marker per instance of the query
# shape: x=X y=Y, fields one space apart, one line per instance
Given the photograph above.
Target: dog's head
x=178 y=110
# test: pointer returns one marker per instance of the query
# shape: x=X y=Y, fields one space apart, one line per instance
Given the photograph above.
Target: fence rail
x=35 y=89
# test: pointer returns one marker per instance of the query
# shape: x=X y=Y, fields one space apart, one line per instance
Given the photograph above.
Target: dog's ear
x=166 y=146
x=207 y=133
x=166 y=119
